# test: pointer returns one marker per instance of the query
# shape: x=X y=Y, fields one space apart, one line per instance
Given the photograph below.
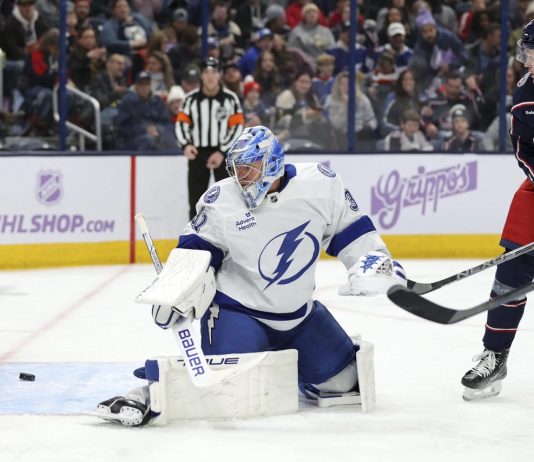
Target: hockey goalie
x=245 y=268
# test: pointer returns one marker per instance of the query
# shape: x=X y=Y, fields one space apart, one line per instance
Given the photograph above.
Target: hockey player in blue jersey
x=484 y=379
x=264 y=228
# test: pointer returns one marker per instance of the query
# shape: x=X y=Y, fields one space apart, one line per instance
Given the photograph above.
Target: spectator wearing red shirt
x=294 y=13
x=466 y=19
x=40 y=75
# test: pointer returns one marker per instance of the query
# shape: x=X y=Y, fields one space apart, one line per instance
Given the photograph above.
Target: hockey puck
x=26 y=377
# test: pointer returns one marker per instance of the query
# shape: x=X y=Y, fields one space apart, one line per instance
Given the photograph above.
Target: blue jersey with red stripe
x=519 y=227
x=522 y=130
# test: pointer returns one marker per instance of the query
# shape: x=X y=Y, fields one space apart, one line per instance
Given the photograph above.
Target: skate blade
x=471 y=394
x=127 y=415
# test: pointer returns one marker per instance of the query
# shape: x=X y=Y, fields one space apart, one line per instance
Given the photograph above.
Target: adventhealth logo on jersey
x=393 y=193
x=246 y=223
x=286 y=257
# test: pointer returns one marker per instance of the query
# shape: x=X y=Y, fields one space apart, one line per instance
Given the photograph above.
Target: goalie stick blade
x=426 y=309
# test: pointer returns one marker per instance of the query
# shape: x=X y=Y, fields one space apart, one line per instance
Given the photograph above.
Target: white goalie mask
x=255 y=161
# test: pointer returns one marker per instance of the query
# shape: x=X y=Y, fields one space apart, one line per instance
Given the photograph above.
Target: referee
x=210 y=120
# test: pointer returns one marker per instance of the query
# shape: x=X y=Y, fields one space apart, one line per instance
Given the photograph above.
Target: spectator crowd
x=427 y=71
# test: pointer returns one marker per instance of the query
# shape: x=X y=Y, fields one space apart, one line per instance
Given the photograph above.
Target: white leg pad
x=366 y=382
x=268 y=388
x=366 y=374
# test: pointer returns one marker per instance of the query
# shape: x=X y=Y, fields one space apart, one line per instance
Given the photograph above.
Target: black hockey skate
x=484 y=380
x=123 y=410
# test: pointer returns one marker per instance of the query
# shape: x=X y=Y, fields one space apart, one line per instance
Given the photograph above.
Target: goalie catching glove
x=185 y=286
x=373 y=274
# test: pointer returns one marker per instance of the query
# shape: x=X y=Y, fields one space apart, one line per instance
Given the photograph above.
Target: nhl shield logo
x=221 y=114
x=49 y=188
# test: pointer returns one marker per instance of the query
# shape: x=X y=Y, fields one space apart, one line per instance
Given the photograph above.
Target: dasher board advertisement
x=428 y=194
x=63 y=200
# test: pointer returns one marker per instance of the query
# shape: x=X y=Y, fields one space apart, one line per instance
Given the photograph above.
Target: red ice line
x=62 y=315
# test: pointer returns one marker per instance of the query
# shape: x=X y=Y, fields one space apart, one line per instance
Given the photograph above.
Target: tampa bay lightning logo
x=212 y=195
x=286 y=257
x=348 y=197
x=326 y=171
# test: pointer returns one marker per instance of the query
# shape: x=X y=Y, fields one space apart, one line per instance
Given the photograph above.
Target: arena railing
x=2 y=65
x=82 y=132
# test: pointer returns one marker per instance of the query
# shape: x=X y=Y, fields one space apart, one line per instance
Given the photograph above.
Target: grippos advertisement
x=431 y=193
x=59 y=199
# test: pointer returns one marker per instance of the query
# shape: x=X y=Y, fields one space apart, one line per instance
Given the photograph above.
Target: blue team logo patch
x=326 y=171
x=348 y=197
x=288 y=256
x=212 y=195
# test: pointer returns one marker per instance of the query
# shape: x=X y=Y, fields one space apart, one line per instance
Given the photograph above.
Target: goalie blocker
x=270 y=387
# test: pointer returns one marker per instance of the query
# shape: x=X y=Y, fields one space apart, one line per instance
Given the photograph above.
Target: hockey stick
x=424 y=288
x=200 y=373
x=420 y=306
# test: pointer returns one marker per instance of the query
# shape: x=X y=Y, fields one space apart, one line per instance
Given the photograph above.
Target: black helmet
x=527 y=38
x=525 y=43
x=210 y=63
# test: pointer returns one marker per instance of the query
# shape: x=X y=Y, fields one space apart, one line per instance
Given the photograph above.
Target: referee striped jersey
x=210 y=121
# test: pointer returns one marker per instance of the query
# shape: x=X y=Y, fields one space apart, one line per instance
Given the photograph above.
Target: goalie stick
x=420 y=306
x=200 y=373
x=424 y=288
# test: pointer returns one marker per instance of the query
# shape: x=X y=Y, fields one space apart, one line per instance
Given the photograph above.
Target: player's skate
x=123 y=410
x=484 y=380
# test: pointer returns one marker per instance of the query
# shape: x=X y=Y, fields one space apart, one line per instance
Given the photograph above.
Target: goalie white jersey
x=265 y=258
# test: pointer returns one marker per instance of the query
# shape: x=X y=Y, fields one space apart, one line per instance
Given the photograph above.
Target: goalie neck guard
x=258 y=146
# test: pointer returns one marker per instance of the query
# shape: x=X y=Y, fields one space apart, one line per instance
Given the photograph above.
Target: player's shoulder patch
x=326 y=171
x=212 y=195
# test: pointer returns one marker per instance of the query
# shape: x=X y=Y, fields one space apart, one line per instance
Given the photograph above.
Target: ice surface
x=79 y=331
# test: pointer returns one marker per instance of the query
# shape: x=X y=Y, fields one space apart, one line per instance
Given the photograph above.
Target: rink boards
x=58 y=210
